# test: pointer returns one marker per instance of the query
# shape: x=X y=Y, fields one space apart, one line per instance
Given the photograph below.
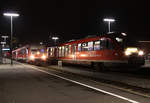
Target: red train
x=102 y=51
x=112 y=49
x=30 y=53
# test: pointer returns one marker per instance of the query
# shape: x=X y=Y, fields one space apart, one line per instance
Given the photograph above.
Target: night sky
x=71 y=19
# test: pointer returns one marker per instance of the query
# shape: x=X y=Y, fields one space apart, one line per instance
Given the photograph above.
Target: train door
x=74 y=51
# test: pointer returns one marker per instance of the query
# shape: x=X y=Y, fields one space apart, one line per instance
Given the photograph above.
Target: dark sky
x=75 y=18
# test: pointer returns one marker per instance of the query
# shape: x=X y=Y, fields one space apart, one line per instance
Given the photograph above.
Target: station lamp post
x=55 y=39
x=11 y=15
x=109 y=21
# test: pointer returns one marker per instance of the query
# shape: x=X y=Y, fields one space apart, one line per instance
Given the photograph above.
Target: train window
x=110 y=45
x=69 y=49
x=73 y=48
x=66 y=50
x=97 y=45
x=63 y=51
x=90 y=46
x=59 y=51
x=84 y=46
x=103 y=44
x=79 y=47
x=51 y=52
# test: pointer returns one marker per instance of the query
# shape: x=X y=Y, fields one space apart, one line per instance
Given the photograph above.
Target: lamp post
x=55 y=38
x=11 y=15
x=109 y=21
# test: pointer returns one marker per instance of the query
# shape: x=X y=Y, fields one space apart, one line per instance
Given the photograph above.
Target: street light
x=109 y=21
x=55 y=38
x=11 y=15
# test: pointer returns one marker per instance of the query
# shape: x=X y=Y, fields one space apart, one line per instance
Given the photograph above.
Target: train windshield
x=125 y=41
x=37 y=51
x=34 y=51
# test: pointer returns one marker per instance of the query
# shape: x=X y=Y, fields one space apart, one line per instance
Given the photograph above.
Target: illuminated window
x=79 y=47
x=59 y=51
x=84 y=46
x=66 y=50
x=90 y=46
x=97 y=45
x=69 y=49
x=63 y=51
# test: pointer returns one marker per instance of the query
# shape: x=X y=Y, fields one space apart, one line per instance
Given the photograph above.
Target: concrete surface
x=129 y=79
x=23 y=84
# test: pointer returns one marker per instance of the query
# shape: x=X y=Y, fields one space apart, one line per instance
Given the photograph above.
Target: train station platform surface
x=6 y=64
x=137 y=79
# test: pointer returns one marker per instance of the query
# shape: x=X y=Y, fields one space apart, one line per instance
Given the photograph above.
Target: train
x=100 y=52
x=34 y=54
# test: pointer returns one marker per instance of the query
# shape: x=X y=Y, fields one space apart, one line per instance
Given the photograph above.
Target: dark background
x=71 y=19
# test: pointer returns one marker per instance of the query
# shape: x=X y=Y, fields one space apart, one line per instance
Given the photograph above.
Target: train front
x=131 y=51
x=38 y=56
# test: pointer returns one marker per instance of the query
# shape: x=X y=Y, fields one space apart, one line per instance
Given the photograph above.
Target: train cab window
x=97 y=45
x=79 y=47
x=90 y=46
x=84 y=46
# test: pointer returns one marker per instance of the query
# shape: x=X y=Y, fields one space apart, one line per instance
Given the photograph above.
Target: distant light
x=5 y=49
x=43 y=57
x=141 y=52
x=55 y=38
x=4 y=36
x=124 y=34
x=41 y=43
x=145 y=41
x=42 y=50
x=11 y=14
x=110 y=20
x=83 y=55
x=38 y=53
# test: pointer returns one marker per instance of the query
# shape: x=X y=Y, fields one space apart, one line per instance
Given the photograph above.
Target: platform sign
x=6 y=49
x=4 y=36
x=3 y=43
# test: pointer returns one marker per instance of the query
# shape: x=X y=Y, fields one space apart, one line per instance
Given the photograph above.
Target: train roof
x=109 y=35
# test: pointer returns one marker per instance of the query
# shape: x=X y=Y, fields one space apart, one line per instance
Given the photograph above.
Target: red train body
x=100 y=51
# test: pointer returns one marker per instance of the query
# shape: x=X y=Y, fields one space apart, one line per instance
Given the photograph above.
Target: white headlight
x=43 y=57
x=32 y=57
x=38 y=53
x=127 y=53
x=141 y=52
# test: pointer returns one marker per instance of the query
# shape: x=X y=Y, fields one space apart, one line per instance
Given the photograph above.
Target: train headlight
x=38 y=53
x=131 y=50
x=44 y=57
x=141 y=52
x=32 y=57
x=127 y=53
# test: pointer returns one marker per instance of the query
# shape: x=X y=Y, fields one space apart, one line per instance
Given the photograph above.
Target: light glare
x=110 y=20
x=11 y=14
x=141 y=53
x=55 y=38
x=43 y=57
